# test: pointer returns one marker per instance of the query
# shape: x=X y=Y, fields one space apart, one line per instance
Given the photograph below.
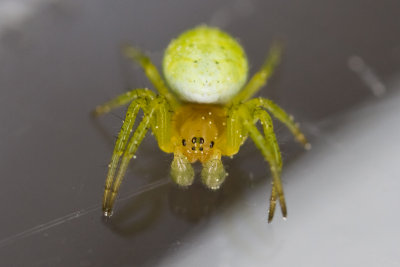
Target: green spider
x=208 y=114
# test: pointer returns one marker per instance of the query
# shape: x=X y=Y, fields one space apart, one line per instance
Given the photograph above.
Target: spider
x=202 y=111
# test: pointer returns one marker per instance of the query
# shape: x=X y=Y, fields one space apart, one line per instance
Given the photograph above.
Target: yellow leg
x=236 y=133
x=241 y=120
x=281 y=115
x=273 y=146
x=130 y=151
x=261 y=77
x=161 y=125
x=119 y=148
x=122 y=100
x=266 y=149
x=151 y=72
x=270 y=137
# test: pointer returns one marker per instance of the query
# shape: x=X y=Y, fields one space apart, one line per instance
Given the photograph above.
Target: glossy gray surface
x=342 y=209
x=59 y=59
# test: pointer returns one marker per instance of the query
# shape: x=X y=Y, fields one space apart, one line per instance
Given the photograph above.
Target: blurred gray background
x=339 y=77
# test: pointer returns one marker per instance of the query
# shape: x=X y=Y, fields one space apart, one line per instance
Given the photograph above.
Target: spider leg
x=261 y=77
x=111 y=187
x=122 y=100
x=272 y=203
x=273 y=146
x=161 y=125
x=268 y=153
x=267 y=125
x=236 y=133
x=151 y=72
x=281 y=115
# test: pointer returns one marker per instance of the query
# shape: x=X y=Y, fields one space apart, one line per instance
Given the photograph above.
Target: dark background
x=60 y=59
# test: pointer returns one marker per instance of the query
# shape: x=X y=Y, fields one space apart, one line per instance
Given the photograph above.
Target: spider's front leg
x=126 y=149
x=272 y=145
x=242 y=124
x=123 y=99
x=269 y=155
x=281 y=115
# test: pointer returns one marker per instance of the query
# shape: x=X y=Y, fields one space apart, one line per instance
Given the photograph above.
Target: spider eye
x=193 y=148
x=201 y=148
x=194 y=139
x=201 y=140
x=183 y=142
x=211 y=144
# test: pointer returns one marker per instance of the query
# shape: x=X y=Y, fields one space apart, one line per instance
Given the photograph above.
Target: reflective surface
x=60 y=59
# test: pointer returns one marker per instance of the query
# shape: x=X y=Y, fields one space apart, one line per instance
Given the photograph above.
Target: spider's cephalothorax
x=199 y=133
x=203 y=112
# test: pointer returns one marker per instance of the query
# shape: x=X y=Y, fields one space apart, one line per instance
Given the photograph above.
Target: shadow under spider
x=138 y=214
x=192 y=204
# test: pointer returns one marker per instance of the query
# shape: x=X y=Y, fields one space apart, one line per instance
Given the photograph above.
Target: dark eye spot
x=201 y=148
x=183 y=142
x=193 y=148
x=201 y=140
x=212 y=144
x=194 y=139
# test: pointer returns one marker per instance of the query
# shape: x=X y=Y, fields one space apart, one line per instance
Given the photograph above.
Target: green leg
x=272 y=203
x=281 y=115
x=122 y=100
x=270 y=137
x=161 y=125
x=236 y=134
x=261 y=77
x=151 y=72
x=266 y=149
x=119 y=148
x=273 y=146
x=128 y=154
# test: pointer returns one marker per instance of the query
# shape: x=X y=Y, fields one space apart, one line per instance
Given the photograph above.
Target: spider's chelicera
x=203 y=111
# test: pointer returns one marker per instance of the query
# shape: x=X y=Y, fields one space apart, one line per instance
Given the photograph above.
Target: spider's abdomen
x=205 y=65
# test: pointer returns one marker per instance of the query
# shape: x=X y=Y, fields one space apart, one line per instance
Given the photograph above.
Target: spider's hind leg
x=261 y=77
x=151 y=72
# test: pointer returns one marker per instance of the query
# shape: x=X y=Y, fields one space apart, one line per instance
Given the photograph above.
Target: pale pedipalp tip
x=307 y=146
